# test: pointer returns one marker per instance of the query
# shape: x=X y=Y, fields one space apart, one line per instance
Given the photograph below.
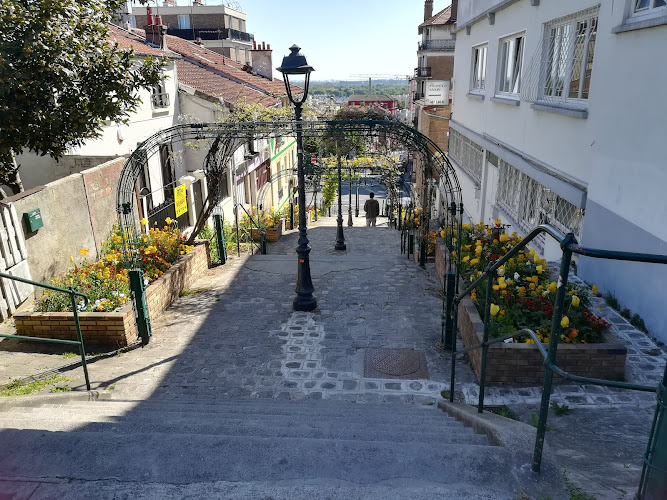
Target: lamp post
x=340 y=237
x=295 y=64
x=349 y=203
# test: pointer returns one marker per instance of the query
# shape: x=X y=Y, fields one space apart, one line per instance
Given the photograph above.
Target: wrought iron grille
x=468 y=155
x=560 y=70
x=529 y=203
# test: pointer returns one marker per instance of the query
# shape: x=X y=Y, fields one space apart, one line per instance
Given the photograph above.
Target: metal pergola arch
x=234 y=134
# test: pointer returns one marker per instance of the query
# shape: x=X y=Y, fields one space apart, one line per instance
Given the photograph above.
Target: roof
x=442 y=17
x=206 y=81
x=128 y=40
x=370 y=98
x=226 y=67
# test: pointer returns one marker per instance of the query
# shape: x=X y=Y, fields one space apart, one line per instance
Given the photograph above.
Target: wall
x=78 y=212
x=619 y=165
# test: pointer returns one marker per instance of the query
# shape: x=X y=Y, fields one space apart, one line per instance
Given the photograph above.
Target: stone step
x=363 y=413
x=267 y=428
x=183 y=458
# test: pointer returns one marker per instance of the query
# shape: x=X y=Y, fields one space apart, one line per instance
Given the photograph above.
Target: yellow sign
x=181 y=200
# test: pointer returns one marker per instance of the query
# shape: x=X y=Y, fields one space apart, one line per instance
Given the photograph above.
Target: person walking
x=372 y=209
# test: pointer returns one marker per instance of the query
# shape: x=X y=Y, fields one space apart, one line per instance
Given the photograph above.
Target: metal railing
x=437 y=45
x=75 y=311
x=260 y=231
x=569 y=246
x=423 y=72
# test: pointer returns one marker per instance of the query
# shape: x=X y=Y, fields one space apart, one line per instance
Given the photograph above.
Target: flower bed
x=109 y=318
x=523 y=298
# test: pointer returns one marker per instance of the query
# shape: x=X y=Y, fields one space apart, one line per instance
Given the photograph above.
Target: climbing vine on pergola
x=226 y=138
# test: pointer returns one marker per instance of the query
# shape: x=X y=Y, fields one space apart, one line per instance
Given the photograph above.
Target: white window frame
x=183 y=22
x=653 y=9
x=567 y=30
x=132 y=21
x=478 y=68
x=502 y=68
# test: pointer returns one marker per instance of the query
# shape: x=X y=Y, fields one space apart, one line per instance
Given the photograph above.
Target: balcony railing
x=160 y=100
x=424 y=72
x=211 y=34
x=437 y=45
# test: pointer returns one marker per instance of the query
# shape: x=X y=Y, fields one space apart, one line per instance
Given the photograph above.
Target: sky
x=340 y=38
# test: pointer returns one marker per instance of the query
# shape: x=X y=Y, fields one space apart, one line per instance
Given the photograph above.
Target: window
x=570 y=46
x=478 y=68
x=184 y=22
x=160 y=97
x=132 y=21
x=509 y=64
x=649 y=8
x=467 y=154
x=529 y=203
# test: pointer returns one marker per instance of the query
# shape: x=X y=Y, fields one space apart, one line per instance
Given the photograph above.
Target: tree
x=61 y=78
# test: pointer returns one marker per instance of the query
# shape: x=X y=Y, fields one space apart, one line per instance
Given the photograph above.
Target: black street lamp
x=349 y=202
x=295 y=64
x=340 y=238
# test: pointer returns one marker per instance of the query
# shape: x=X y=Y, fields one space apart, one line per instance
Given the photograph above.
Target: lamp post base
x=304 y=303
x=340 y=246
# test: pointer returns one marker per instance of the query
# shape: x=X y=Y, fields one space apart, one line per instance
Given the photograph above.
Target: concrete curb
x=519 y=438
x=61 y=398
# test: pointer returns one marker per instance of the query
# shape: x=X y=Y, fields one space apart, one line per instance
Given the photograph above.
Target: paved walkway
x=237 y=337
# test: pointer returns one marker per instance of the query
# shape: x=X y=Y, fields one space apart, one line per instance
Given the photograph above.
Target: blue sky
x=340 y=37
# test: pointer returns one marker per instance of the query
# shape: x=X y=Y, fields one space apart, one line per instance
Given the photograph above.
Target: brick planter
x=118 y=329
x=523 y=363
x=273 y=234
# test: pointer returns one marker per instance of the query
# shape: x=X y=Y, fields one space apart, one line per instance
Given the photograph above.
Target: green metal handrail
x=73 y=296
x=569 y=245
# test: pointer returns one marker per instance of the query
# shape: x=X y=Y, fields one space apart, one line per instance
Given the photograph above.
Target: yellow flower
x=494 y=309
x=565 y=322
x=168 y=220
x=539 y=269
x=443 y=233
x=478 y=249
x=71 y=281
x=504 y=238
x=552 y=287
x=144 y=221
x=575 y=301
x=83 y=251
x=536 y=259
x=498 y=222
x=501 y=271
x=530 y=341
x=496 y=287
x=594 y=290
x=501 y=281
x=466 y=258
x=71 y=259
x=474 y=262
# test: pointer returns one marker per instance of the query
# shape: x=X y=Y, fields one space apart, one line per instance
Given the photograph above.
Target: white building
x=157 y=111
x=556 y=118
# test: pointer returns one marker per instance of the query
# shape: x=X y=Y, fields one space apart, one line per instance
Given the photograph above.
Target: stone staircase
x=264 y=448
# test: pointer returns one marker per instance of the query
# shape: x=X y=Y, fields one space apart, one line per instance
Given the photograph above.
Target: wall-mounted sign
x=33 y=220
x=436 y=93
x=180 y=200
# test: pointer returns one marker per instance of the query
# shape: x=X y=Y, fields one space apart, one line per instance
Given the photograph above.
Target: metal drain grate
x=395 y=363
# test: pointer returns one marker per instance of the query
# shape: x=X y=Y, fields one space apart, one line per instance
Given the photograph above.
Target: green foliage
x=576 y=493
x=61 y=388
x=20 y=388
x=68 y=355
x=346 y=89
x=60 y=77
x=634 y=319
x=612 y=301
x=534 y=421
x=503 y=411
x=560 y=410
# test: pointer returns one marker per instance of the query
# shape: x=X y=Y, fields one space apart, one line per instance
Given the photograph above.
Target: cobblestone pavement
x=237 y=337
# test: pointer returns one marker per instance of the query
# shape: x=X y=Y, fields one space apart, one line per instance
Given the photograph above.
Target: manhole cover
x=395 y=363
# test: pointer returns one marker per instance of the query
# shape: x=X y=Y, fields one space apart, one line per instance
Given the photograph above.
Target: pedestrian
x=372 y=209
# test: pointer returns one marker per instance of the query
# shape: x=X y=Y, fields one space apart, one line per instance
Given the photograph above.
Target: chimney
x=156 y=34
x=149 y=16
x=428 y=9
x=262 y=60
x=455 y=9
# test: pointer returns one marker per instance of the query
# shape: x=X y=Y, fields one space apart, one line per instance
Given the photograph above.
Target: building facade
x=544 y=97
x=383 y=101
x=218 y=27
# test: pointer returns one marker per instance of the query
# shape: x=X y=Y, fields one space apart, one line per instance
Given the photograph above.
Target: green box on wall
x=33 y=220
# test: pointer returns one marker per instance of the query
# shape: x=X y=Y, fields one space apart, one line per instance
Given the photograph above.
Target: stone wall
x=118 y=329
x=523 y=363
